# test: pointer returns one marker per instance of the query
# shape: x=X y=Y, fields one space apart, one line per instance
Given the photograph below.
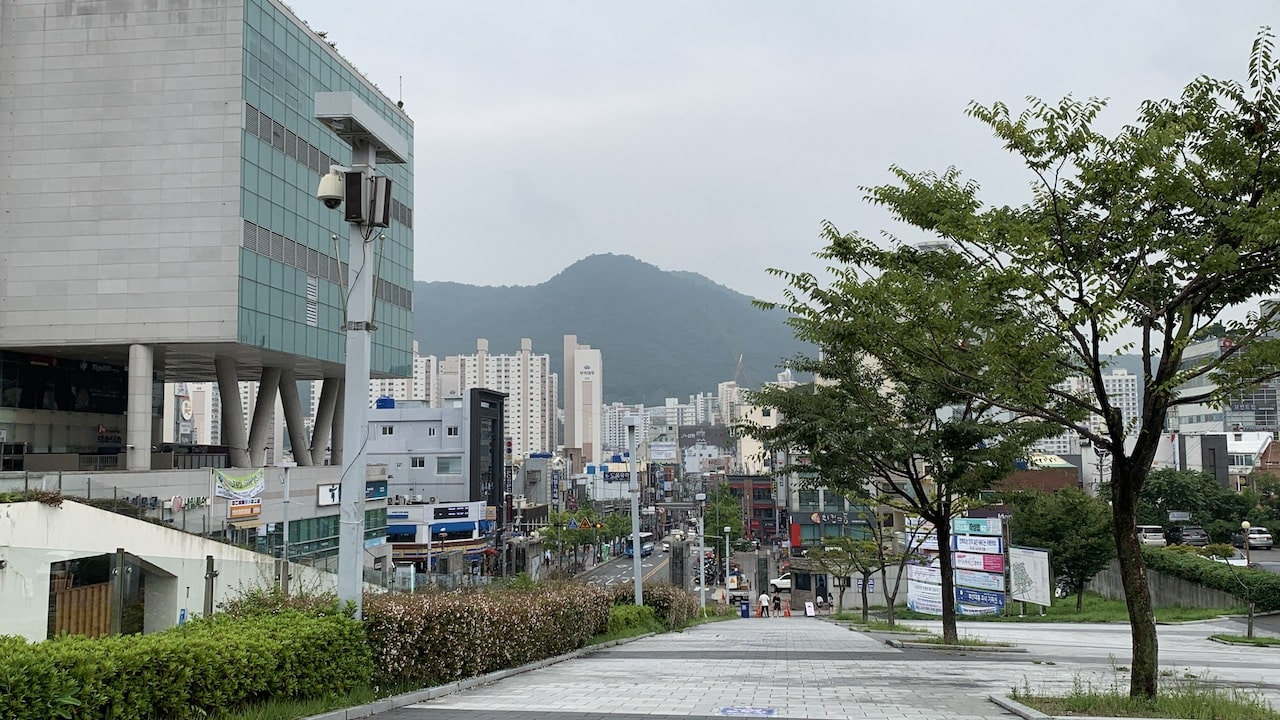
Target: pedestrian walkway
x=795 y=667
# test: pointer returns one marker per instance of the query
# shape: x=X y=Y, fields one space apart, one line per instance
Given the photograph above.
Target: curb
x=965 y=648
x=1228 y=643
x=411 y=698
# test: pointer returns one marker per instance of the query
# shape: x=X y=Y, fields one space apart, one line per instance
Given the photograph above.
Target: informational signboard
x=662 y=451
x=1029 y=579
x=978 y=561
x=980 y=580
x=976 y=544
x=924 y=589
x=328 y=494
x=977 y=526
x=978 y=602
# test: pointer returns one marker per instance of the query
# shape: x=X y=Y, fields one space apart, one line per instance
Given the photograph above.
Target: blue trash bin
x=745 y=607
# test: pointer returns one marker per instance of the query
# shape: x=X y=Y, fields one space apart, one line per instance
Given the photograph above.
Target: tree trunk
x=1080 y=599
x=891 y=597
x=840 y=607
x=1145 y=665
x=864 y=599
x=943 y=531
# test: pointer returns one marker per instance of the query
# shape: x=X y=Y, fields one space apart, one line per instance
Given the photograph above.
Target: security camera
x=332 y=190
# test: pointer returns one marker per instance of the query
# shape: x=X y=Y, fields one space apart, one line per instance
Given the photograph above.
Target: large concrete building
x=160 y=223
x=526 y=378
x=583 y=403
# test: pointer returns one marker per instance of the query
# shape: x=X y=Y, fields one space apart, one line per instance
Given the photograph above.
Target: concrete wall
x=1166 y=591
x=122 y=173
x=33 y=535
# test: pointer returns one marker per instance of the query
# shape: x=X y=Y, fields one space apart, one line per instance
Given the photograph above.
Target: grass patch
x=884 y=626
x=1189 y=698
x=1244 y=640
x=963 y=640
x=1096 y=609
x=652 y=626
x=279 y=709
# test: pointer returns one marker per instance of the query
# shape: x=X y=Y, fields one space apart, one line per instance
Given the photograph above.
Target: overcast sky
x=715 y=137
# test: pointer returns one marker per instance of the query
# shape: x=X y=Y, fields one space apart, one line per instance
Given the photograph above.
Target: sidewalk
x=794 y=667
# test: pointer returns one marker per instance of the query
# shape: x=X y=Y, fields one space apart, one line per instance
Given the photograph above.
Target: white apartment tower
x=528 y=382
x=1122 y=391
x=583 y=400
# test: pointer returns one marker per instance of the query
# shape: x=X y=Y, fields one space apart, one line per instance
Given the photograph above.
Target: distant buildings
x=583 y=402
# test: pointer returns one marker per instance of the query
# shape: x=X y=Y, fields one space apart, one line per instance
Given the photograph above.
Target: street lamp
x=1248 y=562
x=727 y=530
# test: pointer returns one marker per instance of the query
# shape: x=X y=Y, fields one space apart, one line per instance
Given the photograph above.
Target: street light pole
x=636 y=549
x=702 y=554
x=1248 y=562
x=727 y=530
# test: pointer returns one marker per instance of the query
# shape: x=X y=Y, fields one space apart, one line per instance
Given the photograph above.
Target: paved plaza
x=810 y=668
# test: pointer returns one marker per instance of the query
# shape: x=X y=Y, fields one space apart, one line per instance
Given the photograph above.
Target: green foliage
x=1262 y=587
x=1156 y=233
x=48 y=497
x=273 y=601
x=436 y=637
x=1073 y=526
x=186 y=672
x=624 y=618
x=673 y=607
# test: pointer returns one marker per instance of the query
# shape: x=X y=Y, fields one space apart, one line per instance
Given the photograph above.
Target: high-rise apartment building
x=528 y=382
x=583 y=402
x=1123 y=392
x=210 y=258
x=421 y=385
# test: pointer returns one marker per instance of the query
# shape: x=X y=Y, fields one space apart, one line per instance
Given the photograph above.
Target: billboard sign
x=1029 y=576
x=977 y=526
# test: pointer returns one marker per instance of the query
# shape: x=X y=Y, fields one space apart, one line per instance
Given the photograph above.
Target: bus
x=646 y=545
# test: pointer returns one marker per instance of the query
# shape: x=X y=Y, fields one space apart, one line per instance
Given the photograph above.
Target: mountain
x=660 y=334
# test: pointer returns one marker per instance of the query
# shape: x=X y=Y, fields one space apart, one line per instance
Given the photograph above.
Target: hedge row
x=673 y=606
x=1263 y=587
x=437 y=637
x=186 y=672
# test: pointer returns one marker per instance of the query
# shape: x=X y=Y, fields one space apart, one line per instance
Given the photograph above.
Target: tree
x=1073 y=526
x=1137 y=241
x=841 y=557
x=869 y=429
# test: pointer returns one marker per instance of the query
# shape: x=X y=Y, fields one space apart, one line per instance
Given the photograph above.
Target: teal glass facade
x=290 y=271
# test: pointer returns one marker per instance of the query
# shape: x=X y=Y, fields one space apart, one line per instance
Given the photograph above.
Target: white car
x=1151 y=535
x=666 y=547
x=1237 y=559
x=782 y=582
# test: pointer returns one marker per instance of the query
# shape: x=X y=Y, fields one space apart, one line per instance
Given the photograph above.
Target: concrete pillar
x=337 y=426
x=233 y=434
x=322 y=434
x=260 y=431
x=138 y=422
x=293 y=417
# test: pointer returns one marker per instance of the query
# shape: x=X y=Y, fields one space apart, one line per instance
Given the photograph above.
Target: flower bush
x=436 y=637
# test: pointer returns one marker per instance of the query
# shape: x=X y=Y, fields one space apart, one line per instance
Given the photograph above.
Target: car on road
x=1151 y=535
x=666 y=546
x=782 y=582
x=1193 y=535
x=1259 y=539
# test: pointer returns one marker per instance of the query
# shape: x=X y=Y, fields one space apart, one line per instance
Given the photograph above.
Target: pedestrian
x=777 y=604
x=817 y=603
x=764 y=604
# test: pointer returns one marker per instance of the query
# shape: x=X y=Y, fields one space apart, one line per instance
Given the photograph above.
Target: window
x=451 y=465
x=431 y=432
x=808 y=500
x=452 y=432
x=417 y=461
x=388 y=429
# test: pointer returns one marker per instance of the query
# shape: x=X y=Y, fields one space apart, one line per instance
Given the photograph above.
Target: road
x=1268 y=560
x=619 y=570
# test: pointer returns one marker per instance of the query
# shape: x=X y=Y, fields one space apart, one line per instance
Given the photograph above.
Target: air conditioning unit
x=417 y=498
x=431 y=500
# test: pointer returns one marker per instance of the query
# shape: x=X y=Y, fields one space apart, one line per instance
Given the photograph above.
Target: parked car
x=1259 y=539
x=1187 y=535
x=1237 y=559
x=1151 y=535
x=782 y=582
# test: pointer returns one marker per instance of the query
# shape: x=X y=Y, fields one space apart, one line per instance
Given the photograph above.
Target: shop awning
x=409 y=529
x=245 y=524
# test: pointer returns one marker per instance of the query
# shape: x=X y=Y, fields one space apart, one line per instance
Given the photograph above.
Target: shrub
x=186 y=672
x=674 y=607
x=435 y=637
x=1263 y=587
x=273 y=601
x=630 y=617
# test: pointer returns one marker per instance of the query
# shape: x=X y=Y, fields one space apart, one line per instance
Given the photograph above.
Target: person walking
x=777 y=605
x=764 y=604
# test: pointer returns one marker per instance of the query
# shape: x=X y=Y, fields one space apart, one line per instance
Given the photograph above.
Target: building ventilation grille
x=315 y=264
